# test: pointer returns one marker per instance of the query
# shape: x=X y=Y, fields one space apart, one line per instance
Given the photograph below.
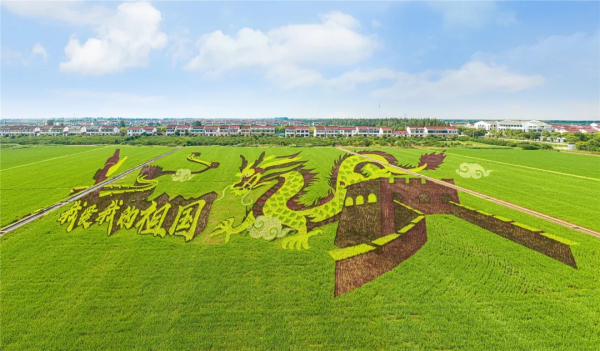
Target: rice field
x=36 y=177
x=466 y=289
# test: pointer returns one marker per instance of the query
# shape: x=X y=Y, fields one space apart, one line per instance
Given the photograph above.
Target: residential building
x=332 y=131
x=259 y=130
x=59 y=130
x=197 y=130
x=92 y=130
x=400 y=133
x=416 y=131
x=297 y=131
x=226 y=130
x=385 y=131
x=348 y=131
x=362 y=131
x=319 y=131
x=182 y=129
x=245 y=130
x=131 y=131
x=234 y=129
x=44 y=130
x=76 y=130
x=211 y=130
x=109 y=130
x=171 y=129
x=373 y=131
x=441 y=131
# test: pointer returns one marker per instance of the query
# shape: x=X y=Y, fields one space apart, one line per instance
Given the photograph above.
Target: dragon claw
x=225 y=227
x=298 y=242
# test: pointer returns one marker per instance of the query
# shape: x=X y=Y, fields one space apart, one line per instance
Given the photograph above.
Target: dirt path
x=9 y=228
x=507 y=204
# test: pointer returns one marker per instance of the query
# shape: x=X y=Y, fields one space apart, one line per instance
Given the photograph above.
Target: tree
x=572 y=138
x=546 y=134
x=197 y=124
x=122 y=124
x=50 y=122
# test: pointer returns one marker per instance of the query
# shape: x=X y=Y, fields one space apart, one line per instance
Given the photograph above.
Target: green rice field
x=562 y=185
x=465 y=289
x=36 y=177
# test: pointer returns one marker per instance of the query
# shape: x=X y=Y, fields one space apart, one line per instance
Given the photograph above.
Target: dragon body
x=288 y=180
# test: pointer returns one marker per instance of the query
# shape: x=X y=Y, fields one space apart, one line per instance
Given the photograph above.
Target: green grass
x=36 y=183
x=583 y=165
x=466 y=289
x=19 y=157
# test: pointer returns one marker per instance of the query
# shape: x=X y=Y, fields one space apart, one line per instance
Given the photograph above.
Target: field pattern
x=573 y=199
x=35 y=183
x=124 y=291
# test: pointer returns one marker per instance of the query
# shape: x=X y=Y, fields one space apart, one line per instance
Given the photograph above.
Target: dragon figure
x=288 y=179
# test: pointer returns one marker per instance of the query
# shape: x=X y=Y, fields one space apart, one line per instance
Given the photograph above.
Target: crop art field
x=300 y=248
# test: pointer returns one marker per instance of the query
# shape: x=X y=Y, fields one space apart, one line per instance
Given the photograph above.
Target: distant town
x=275 y=127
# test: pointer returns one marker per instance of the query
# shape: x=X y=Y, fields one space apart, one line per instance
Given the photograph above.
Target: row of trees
x=254 y=141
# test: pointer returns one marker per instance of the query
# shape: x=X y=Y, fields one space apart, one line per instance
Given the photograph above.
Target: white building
x=197 y=130
x=131 y=131
x=385 y=131
x=536 y=126
x=259 y=130
x=76 y=130
x=416 y=131
x=441 y=131
x=487 y=125
x=297 y=131
x=92 y=130
x=109 y=130
x=526 y=126
x=348 y=131
x=211 y=130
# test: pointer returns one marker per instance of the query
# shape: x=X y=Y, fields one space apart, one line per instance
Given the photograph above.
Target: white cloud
x=73 y=12
x=350 y=79
x=375 y=24
x=471 y=79
x=10 y=56
x=291 y=76
x=112 y=97
x=14 y=57
x=472 y=14
x=289 y=54
x=124 y=41
x=38 y=50
x=575 y=55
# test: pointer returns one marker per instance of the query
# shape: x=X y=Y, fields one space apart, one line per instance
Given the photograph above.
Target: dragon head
x=264 y=170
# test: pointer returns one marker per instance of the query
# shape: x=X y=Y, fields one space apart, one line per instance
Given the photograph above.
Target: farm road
x=507 y=204
x=9 y=228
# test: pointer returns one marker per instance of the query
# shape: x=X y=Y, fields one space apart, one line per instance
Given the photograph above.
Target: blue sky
x=475 y=60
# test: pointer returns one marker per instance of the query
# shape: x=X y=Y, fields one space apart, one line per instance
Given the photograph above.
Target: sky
x=179 y=59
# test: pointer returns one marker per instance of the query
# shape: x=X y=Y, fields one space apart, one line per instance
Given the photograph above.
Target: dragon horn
x=260 y=159
x=244 y=163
